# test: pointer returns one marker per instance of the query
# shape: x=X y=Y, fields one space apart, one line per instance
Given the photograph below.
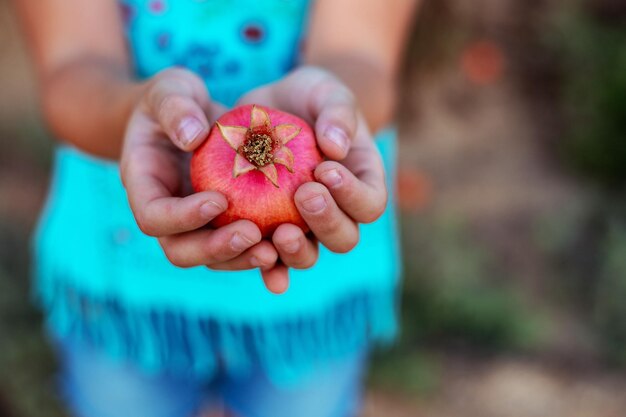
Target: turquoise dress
x=99 y=279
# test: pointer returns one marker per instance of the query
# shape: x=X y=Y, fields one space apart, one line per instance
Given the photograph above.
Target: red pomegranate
x=257 y=157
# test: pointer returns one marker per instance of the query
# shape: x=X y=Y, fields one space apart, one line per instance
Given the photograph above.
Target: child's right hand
x=171 y=120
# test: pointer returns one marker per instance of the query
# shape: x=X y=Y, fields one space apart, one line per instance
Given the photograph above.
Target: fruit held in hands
x=257 y=157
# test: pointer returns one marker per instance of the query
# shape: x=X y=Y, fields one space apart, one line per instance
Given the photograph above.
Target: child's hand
x=348 y=193
x=169 y=122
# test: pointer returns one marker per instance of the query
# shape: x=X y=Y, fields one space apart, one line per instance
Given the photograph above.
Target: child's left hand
x=347 y=193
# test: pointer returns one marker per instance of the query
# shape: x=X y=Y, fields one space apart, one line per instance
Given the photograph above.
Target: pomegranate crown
x=260 y=145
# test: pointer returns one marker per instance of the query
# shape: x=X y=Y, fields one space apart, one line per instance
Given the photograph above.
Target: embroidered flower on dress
x=163 y=40
x=254 y=33
x=201 y=58
x=157 y=6
x=128 y=13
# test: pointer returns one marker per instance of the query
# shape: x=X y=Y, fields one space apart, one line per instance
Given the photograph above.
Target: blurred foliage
x=593 y=48
x=591 y=42
x=571 y=239
x=454 y=297
x=587 y=245
x=610 y=306
x=455 y=293
x=25 y=358
x=410 y=371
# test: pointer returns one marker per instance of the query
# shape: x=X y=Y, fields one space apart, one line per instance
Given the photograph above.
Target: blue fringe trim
x=172 y=341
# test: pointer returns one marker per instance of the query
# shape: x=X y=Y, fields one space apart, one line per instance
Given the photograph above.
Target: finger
x=150 y=197
x=173 y=215
x=208 y=247
x=276 y=279
x=358 y=184
x=295 y=250
x=361 y=194
x=261 y=95
x=331 y=226
x=262 y=255
x=335 y=123
x=182 y=120
x=179 y=101
x=320 y=98
x=329 y=103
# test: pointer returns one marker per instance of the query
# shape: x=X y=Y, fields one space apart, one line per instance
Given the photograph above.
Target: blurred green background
x=512 y=190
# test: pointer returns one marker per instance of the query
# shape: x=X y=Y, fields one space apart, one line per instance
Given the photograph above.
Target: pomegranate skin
x=265 y=199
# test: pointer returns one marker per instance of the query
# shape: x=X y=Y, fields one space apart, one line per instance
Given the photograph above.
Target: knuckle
x=333 y=92
x=346 y=100
x=374 y=212
x=171 y=104
x=308 y=262
x=151 y=217
x=309 y=73
x=184 y=222
x=327 y=166
x=368 y=217
x=189 y=76
x=347 y=244
x=175 y=259
x=317 y=71
x=351 y=190
x=381 y=207
x=177 y=73
x=166 y=245
x=145 y=225
x=217 y=251
x=265 y=262
x=323 y=89
x=329 y=224
x=187 y=80
x=172 y=255
x=167 y=210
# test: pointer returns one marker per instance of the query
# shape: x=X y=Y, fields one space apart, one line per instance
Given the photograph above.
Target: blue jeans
x=96 y=386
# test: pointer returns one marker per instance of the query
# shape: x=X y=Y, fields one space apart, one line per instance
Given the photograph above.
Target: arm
x=363 y=50
x=352 y=62
x=87 y=93
x=90 y=100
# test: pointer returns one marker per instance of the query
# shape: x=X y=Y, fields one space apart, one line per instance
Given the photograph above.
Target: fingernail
x=337 y=136
x=332 y=178
x=210 y=209
x=189 y=130
x=240 y=243
x=315 y=204
x=254 y=261
x=292 y=247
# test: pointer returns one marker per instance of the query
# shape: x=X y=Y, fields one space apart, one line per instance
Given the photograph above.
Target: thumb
x=176 y=102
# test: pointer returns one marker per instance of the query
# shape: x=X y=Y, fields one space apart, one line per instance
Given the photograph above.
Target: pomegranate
x=257 y=157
